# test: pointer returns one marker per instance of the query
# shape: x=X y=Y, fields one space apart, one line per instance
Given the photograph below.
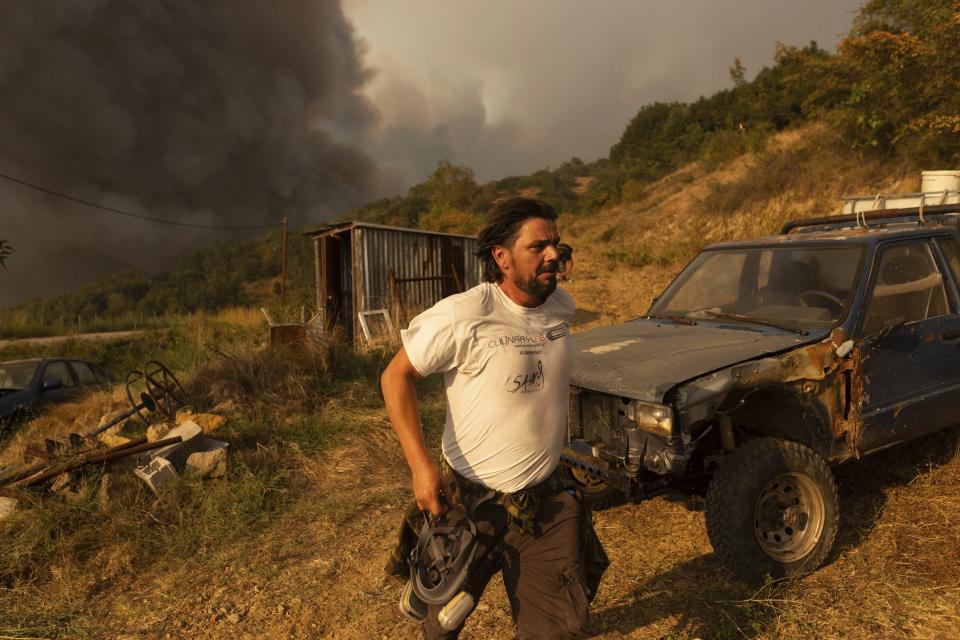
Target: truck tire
x=772 y=509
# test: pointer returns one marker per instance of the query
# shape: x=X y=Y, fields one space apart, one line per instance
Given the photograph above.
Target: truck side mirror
x=50 y=384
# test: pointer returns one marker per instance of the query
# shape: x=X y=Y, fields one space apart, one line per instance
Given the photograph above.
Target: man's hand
x=428 y=482
x=400 y=397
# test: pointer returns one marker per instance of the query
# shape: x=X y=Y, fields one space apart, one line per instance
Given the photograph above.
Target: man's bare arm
x=400 y=396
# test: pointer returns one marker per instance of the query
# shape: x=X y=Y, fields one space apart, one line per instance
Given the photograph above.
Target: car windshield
x=17 y=375
x=795 y=287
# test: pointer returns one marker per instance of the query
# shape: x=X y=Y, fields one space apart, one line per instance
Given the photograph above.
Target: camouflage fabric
x=522 y=508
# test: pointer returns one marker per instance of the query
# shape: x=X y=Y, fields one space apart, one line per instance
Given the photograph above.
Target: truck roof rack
x=882 y=217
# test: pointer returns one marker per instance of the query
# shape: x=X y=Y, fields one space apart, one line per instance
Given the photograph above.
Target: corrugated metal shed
x=363 y=267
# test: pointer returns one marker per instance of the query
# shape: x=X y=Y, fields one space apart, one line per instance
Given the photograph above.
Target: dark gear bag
x=522 y=507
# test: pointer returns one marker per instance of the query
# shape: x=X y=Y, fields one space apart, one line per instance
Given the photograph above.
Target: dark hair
x=502 y=226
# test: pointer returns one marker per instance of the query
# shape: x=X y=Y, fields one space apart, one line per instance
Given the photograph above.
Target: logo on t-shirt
x=527 y=382
x=557 y=332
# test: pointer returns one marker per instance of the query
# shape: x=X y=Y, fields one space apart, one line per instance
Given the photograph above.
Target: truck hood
x=646 y=357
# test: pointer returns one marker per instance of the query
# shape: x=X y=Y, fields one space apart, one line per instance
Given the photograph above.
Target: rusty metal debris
x=162 y=393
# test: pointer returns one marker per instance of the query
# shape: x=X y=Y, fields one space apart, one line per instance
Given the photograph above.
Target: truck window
x=908 y=288
x=715 y=283
x=952 y=252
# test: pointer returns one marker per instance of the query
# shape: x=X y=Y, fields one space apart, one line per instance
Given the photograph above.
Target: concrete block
x=157 y=474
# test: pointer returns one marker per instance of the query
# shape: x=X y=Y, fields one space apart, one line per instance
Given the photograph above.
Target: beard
x=536 y=288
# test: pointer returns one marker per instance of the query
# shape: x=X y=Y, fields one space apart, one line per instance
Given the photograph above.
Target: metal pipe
x=122 y=451
x=146 y=402
x=879 y=214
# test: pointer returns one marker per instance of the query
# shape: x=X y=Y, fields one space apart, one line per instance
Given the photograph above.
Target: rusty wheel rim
x=788 y=517
x=585 y=478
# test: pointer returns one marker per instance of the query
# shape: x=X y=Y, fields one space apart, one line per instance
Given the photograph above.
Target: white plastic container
x=939 y=181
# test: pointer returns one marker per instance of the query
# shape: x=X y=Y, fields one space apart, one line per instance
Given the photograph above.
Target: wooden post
x=456 y=278
x=283 y=263
x=321 y=294
x=400 y=312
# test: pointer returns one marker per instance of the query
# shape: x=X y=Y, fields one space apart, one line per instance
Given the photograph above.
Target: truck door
x=911 y=368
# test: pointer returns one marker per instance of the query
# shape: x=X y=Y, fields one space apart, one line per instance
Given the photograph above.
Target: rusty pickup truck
x=765 y=363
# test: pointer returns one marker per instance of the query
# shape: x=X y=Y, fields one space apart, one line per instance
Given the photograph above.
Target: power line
x=130 y=214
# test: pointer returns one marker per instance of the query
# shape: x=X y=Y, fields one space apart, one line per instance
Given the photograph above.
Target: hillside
x=624 y=255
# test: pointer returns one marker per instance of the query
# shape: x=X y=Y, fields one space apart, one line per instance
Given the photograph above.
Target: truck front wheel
x=772 y=509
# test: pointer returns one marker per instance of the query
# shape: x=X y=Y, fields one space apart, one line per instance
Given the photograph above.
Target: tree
x=450 y=187
x=738 y=73
x=904 y=75
x=5 y=251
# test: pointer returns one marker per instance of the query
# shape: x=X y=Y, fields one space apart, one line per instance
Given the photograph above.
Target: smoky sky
x=216 y=112
x=240 y=112
x=511 y=87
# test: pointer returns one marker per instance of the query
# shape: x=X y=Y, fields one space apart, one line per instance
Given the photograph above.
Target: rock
x=108 y=492
x=233 y=618
x=110 y=415
x=112 y=438
x=61 y=482
x=183 y=413
x=7 y=506
x=224 y=407
x=207 y=464
x=157 y=431
x=209 y=422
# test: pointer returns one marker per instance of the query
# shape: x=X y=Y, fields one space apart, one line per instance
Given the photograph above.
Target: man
x=504 y=351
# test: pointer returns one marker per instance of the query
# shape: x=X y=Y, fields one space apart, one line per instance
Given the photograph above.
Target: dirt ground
x=102 y=335
x=317 y=571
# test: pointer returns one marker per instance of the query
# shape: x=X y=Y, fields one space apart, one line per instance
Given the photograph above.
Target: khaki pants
x=543 y=573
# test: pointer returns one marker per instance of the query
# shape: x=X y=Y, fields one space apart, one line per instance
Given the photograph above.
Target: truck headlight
x=655 y=418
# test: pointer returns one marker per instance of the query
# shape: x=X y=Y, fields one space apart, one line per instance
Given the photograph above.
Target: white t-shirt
x=507 y=373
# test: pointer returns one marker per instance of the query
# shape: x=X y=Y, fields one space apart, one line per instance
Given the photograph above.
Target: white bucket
x=939 y=181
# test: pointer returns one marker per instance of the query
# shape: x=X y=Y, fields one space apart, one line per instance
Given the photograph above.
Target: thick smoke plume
x=215 y=112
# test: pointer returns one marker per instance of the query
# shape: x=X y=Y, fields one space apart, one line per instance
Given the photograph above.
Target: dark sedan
x=27 y=385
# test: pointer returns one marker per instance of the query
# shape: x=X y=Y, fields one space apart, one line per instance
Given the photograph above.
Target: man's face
x=531 y=264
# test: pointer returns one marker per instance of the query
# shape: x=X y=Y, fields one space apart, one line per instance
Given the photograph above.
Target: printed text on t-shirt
x=527 y=382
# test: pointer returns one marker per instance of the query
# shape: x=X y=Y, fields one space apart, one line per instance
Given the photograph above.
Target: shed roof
x=337 y=227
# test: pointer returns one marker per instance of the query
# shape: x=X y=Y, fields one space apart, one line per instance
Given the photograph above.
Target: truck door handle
x=951 y=335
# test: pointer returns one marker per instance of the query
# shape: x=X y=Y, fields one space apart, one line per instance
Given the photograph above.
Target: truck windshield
x=16 y=375
x=796 y=286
